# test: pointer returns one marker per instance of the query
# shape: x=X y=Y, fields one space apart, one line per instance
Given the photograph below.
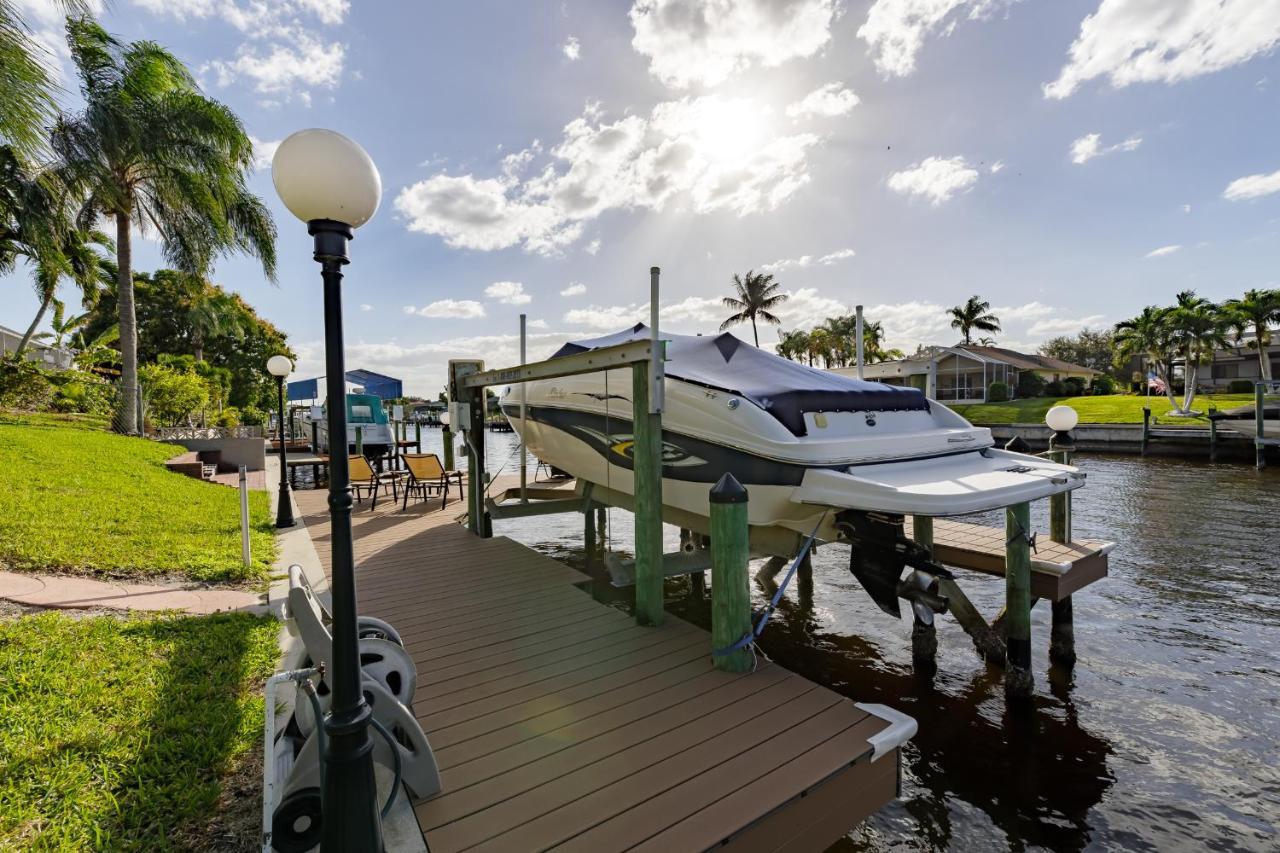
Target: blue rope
x=753 y=634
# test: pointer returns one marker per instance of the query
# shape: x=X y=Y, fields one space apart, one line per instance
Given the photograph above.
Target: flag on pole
x=1155 y=383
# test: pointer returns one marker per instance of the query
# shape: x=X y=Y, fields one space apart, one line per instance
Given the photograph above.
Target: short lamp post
x=330 y=183
x=280 y=366
x=1062 y=420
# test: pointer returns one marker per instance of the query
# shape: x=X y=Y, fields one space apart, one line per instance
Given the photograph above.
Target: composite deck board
x=559 y=723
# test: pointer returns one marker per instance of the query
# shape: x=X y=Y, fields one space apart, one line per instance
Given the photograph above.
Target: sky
x=1070 y=161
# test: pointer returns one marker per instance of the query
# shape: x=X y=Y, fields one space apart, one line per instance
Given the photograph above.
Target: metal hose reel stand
x=389 y=679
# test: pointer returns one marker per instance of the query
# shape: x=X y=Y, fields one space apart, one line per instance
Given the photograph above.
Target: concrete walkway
x=73 y=591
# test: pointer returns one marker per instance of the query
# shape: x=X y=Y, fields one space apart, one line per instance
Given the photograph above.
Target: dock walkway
x=559 y=723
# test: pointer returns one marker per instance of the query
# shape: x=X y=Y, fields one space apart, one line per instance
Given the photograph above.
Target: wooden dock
x=559 y=723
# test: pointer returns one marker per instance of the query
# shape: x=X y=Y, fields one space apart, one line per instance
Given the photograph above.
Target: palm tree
x=756 y=296
x=1257 y=311
x=819 y=341
x=873 y=344
x=984 y=341
x=211 y=312
x=26 y=89
x=974 y=314
x=1149 y=335
x=793 y=345
x=151 y=150
x=1200 y=328
x=64 y=328
x=74 y=257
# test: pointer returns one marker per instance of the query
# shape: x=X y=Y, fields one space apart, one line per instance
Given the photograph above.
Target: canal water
x=1166 y=736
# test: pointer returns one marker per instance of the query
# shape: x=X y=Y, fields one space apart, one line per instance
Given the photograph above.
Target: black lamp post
x=329 y=182
x=279 y=366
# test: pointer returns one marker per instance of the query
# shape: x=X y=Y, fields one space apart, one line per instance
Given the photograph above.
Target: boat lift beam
x=467 y=381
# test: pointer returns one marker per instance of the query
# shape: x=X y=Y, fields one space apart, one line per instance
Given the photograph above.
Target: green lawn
x=120 y=734
x=1111 y=409
x=83 y=500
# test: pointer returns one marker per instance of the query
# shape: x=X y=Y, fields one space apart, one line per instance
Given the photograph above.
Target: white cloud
x=708 y=41
x=455 y=309
x=935 y=178
x=1026 y=311
x=1186 y=208
x=1163 y=251
x=1146 y=41
x=996 y=167
x=1090 y=145
x=286 y=69
x=366 y=307
x=607 y=317
x=809 y=260
x=1252 y=186
x=711 y=152
x=575 y=289
x=508 y=293
x=537 y=324
x=1049 y=328
x=593 y=247
x=895 y=30
x=263 y=151
x=283 y=53
x=827 y=101
x=909 y=323
x=571 y=49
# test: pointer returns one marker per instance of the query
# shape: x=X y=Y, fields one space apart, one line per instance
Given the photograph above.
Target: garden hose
x=322 y=744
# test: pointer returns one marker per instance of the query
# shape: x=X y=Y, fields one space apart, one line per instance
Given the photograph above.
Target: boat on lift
x=846 y=457
x=365 y=412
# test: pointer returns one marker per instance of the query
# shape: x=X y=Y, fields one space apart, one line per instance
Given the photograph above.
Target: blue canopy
x=783 y=388
x=385 y=387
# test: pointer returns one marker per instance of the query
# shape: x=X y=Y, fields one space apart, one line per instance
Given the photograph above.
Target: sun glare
x=728 y=132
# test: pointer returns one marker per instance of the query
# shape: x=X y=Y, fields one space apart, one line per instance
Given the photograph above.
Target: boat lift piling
x=467 y=381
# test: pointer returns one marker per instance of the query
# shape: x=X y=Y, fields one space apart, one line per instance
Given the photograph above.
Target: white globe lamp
x=1061 y=418
x=279 y=366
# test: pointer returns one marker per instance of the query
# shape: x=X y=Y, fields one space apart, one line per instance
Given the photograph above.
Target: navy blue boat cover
x=783 y=388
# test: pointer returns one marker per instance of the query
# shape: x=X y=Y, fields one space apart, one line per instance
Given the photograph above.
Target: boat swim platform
x=558 y=723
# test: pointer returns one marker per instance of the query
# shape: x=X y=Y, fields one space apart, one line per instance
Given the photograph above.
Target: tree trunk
x=1264 y=359
x=1189 y=390
x=128 y=415
x=198 y=346
x=754 y=333
x=31 y=330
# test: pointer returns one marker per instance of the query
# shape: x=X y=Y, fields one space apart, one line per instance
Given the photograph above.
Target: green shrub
x=228 y=418
x=23 y=385
x=251 y=415
x=1029 y=385
x=1073 y=386
x=172 y=395
x=1240 y=386
x=1054 y=389
x=998 y=392
x=1103 y=385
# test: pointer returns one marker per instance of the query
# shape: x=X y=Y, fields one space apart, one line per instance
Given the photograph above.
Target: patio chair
x=365 y=480
x=427 y=475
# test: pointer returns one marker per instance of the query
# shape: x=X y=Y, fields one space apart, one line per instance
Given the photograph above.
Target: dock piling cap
x=728 y=490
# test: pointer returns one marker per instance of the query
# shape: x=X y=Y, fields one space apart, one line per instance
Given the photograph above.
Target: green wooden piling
x=1146 y=428
x=730 y=590
x=646 y=464
x=1213 y=437
x=446 y=435
x=1018 y=681
x=589 y=532
x=417 y=437
x=315 y=437
x=359 y=441
x=1062 y=634
x=924 y=638
x=1259 y=420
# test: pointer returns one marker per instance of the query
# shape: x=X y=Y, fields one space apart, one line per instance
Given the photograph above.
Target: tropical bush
x=1054 y=389
x=998 y=392
x=251 y=415
x=23 y=385
x=172 y=395
x=1029 y=385
x=228 y=418
x=1103 y=385
x=1240 y=386
x=1073 y=385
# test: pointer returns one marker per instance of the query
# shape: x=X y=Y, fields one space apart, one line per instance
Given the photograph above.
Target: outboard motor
x=880 y=551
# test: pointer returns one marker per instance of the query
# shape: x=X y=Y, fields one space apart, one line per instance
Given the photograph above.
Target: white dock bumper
x=901 y=728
